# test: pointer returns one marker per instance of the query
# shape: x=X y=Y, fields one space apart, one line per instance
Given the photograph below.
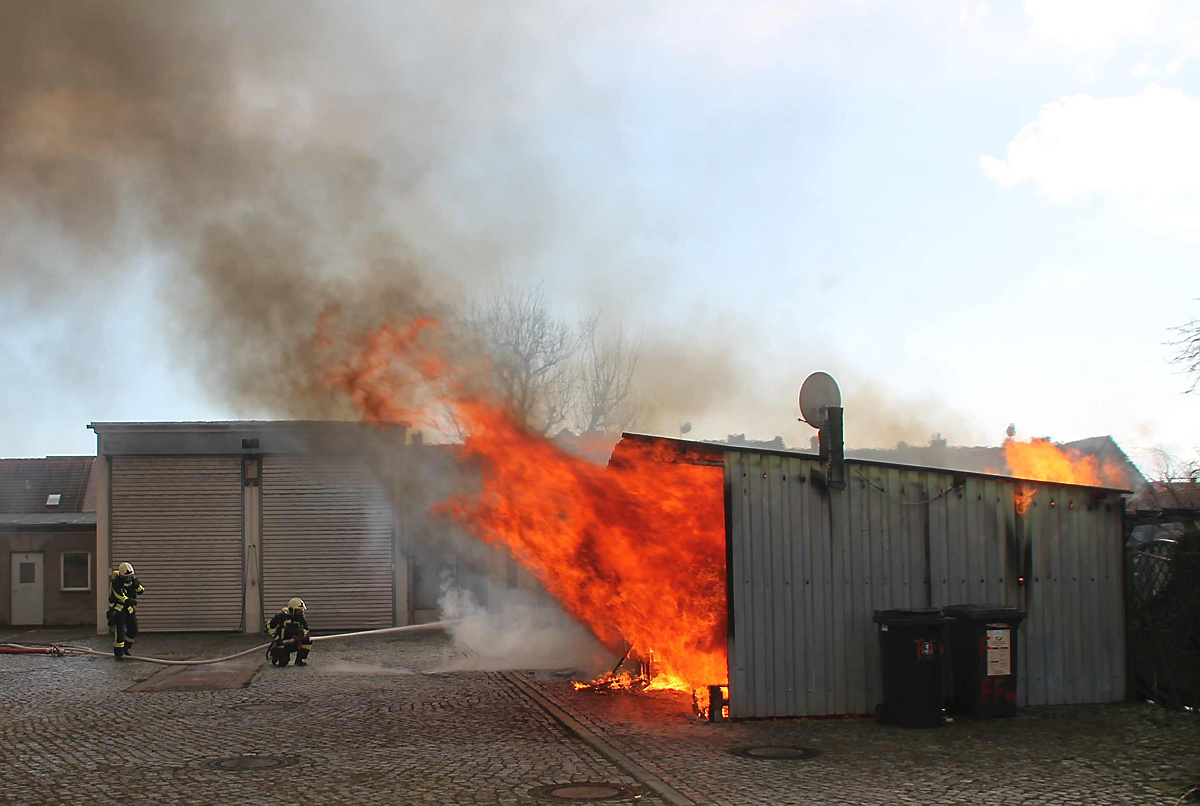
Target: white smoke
x=518 y=630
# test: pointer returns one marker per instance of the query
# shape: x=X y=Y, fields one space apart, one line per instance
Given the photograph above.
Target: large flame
x=636 y=551
x=1042 y=460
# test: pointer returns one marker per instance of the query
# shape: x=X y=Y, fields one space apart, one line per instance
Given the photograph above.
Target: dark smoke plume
x=272 y=159
x=227 y=143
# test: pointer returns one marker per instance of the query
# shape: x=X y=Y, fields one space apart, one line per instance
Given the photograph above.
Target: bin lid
x=985 y=612
x=929 y=615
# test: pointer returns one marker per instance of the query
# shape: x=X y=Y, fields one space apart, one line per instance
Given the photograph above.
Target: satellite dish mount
x=821 y=407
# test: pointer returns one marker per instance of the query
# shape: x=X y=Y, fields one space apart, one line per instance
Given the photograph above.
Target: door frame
x=12 y=587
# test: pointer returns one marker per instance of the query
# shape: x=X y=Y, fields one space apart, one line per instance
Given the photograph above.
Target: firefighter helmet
x=296 y=603
x=125 y=569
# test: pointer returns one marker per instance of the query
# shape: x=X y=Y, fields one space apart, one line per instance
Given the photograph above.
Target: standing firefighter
x=290 y=631
x=123 y=591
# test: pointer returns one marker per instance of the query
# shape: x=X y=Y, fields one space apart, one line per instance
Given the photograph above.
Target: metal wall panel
x=810 y=565
x=328 y=534
x=178 y=519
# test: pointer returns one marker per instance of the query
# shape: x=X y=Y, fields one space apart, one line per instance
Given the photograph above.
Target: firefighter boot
x=301 y=654
x=118 y=652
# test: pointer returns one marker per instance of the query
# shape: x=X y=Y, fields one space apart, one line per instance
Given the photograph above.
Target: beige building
x=225 y=521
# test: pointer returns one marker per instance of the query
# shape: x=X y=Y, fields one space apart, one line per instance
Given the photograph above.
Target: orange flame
x=1024 y=497
x=635 y=551
x=702 y=702
x=1042 y=460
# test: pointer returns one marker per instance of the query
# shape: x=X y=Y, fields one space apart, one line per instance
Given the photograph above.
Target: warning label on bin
x=999 y=659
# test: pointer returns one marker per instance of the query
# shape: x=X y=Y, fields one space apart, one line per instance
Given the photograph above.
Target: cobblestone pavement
x=1114 y=754
x=372 y=721
x=365 y=723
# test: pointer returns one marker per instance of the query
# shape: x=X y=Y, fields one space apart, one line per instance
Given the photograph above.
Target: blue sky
x=971 y=213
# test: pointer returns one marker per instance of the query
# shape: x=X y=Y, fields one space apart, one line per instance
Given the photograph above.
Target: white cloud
x=974 y=13
x=1140 y=152
x=1146 y=67
x=1063 y=282
x=1084 y=26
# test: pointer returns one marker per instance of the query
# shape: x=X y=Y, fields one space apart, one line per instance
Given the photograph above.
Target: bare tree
x=607 y=368
x=1188 y=345
x=531 y=352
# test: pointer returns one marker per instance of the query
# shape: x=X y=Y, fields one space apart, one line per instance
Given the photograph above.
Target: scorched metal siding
x=327 y=537
x=178 y=519
x=809 y=566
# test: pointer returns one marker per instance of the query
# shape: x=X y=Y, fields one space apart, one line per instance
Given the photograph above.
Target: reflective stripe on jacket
x=123 y=592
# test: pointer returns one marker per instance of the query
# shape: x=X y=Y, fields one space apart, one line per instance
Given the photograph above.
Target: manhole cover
x=586 y=792
x=775 y=752
x=260 y=706
x=251 y=762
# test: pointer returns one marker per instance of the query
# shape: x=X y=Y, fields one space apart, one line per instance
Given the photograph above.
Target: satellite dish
x=819 y=392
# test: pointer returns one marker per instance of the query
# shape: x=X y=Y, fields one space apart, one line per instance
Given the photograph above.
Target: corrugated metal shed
x=808 y=566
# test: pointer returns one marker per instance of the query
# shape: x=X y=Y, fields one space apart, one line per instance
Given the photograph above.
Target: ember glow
x=1042 y=460
x=635 y=550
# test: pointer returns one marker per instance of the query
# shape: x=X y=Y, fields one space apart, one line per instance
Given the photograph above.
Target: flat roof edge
x=220 y=426
x=724 y=447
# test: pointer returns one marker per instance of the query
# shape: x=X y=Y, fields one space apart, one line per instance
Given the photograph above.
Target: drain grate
x=252 y=762
x=259 y=706
x=586 y=792
x=776 y=752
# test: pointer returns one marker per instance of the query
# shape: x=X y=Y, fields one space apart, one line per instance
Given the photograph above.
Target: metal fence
x=1163 y=596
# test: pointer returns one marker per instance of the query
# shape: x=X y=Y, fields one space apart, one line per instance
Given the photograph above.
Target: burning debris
x=635 y=551
x=711 y=703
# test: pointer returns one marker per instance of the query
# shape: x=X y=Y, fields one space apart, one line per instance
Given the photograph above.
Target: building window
x=77 y=570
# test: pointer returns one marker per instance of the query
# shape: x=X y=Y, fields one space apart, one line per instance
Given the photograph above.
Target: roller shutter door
x=327 y=537
x=178 y=519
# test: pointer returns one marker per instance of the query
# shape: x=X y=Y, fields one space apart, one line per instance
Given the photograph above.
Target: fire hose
x=72 y=649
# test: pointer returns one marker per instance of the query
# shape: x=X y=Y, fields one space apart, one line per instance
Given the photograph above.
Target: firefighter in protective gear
x=290 y=634
x=123 y=591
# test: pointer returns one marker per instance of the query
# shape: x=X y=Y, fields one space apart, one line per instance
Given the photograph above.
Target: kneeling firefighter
x=289 y=629
x=123 y=591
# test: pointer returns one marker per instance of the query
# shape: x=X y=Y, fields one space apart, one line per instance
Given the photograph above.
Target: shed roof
x=1170 y=495
x=44 y=521
x=718 y=449
x=234 y=437
x=26 y=485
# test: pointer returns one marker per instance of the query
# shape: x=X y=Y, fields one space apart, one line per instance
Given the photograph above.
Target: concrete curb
x=639 y=773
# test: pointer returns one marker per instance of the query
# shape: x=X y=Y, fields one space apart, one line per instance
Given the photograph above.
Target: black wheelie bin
x=983 y=659
x=910 y=654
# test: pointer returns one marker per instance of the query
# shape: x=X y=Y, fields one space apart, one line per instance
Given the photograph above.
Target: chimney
x=833 y=447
